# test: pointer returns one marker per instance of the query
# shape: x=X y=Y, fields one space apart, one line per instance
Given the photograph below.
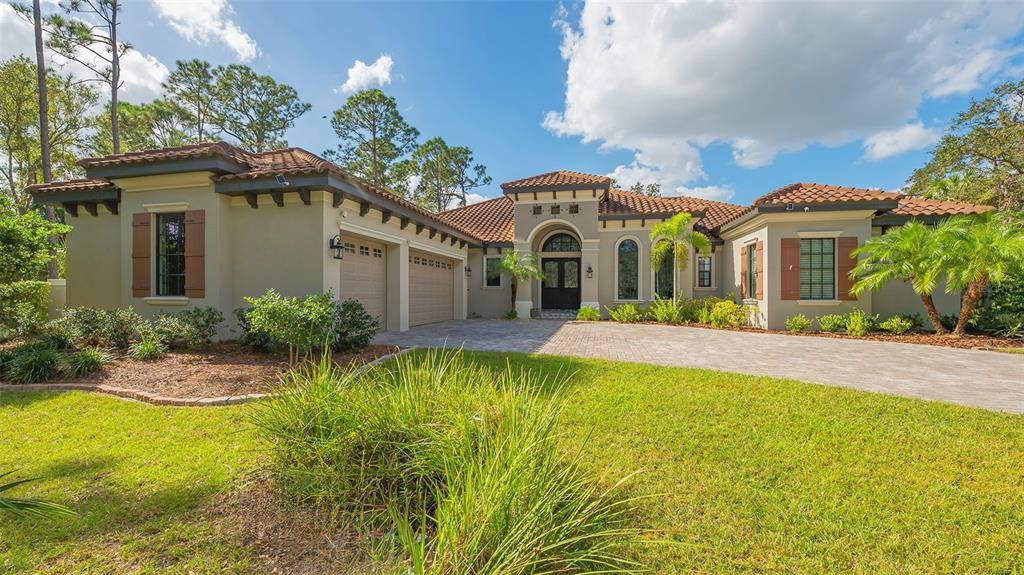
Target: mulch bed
x=220 y=369
x=967 y=341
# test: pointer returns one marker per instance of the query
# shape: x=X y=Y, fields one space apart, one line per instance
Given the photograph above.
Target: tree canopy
x=25 y=248
x=444 y=174
x=254 y=109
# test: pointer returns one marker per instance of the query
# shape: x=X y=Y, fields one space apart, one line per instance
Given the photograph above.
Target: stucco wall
x=93 y=260
x=487 y=301
x=733 y=270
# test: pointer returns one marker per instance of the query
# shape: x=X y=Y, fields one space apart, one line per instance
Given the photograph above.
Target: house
x=208 y=224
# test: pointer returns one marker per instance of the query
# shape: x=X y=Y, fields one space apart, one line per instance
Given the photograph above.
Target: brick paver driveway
x=977 y=378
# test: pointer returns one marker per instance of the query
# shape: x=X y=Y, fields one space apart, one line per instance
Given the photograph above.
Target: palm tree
x=35 y=507
x=520 y=268
x=907 y=253
x=671 y=241
x=977 y=252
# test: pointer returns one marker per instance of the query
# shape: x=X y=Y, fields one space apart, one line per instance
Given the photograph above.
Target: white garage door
x=431 y=284
x=364 y=274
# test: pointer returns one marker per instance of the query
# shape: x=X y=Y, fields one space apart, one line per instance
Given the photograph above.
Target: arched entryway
x=560 y=259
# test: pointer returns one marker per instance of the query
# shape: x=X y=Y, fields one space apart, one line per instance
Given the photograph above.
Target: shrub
x=897 y=324
x=832 y=323
x=191 y=328
x=148 y=348
x=32 y=363
x=859 y=324
x=663 y=310
x=92 y=327
x=249 y=337
x=84 y=362
x=588 y=313
x=511 y=314
x=468 y=454
x=689 y=310
x=354 y=327
x=627 y=313
x=728 y=314
x=119 y=325
x=299 y=324
x=23 y=307
x=6 y=357
x=1002 y=312
x=797 y=323
x=949 y=320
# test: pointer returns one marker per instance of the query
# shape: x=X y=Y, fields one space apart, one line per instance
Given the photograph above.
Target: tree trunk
x=974 y=292
x=115 y=78
x=933 y=314
x=44 y=128
x=515 y=289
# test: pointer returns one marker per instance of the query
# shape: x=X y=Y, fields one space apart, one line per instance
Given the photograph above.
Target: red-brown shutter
x=760 y=269
x=743 y=272
x=845 y=262
x=195 y=253
x=141 y=254
x=790 y=270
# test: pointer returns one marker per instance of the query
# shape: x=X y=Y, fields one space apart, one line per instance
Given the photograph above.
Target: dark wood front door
x=560 y=288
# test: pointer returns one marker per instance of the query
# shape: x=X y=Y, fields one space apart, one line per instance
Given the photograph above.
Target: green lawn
x=748 y=474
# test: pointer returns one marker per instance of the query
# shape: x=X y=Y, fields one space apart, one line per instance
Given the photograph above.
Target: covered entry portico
x=570 y=269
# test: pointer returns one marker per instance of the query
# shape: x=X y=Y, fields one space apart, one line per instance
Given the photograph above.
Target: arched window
x=664 y=279
x=628 y=266
x=561 y=243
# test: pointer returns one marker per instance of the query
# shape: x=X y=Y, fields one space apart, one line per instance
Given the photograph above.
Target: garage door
x=364 y=274
x=431 y=284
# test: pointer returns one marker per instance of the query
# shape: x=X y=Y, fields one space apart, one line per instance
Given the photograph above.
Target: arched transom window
x=628 y=266
x=561 y=243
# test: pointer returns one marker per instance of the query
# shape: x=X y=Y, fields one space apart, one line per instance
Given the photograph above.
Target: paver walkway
x=968 y=377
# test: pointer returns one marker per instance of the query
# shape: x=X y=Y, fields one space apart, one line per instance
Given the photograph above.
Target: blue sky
x=726 y=101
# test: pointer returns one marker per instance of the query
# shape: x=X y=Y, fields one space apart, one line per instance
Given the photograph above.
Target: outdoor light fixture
x=469 y=271
x=590 y=272
x=336 y=245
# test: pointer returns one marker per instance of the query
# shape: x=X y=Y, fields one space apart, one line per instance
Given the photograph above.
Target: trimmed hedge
x=23 y=307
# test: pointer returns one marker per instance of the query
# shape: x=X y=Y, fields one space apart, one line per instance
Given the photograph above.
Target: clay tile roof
x=491 y=220
x=714 y=213
x=915 y=206
x=71 y=185
x=802 y=193
x=203 y=150
x=560 y=179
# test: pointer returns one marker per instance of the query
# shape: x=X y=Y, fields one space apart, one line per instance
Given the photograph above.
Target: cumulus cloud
x=362 y=75
x=141 y=73
x=913 y=136
x=475 y=199
x=665 y=80
x=207 y=21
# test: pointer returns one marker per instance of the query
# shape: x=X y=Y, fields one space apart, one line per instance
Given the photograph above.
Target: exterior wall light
x=590 y=272
x=469 y=271
x=336 y=245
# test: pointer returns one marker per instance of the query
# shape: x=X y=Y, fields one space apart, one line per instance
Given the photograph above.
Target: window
x=492 y=272
x=574 y=209
x=664 y=279
x=538 y=210
x=170 y=254
x=751 y=271
x=628 y=267
x=703 y=271
x=364 y=251
x=561 y=243
x=378 y=253
x=350 y=248
x=818 y=268
x=556 y=209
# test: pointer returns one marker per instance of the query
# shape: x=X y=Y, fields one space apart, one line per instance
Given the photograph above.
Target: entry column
x=589 y=274
x=524 y=289
x=398 y=287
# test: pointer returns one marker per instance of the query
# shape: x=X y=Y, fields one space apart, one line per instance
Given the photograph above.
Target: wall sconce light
x=590 y=272
x=336 y=245
x=469 y=271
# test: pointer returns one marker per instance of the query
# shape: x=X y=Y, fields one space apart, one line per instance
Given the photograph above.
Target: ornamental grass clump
x=465 y=456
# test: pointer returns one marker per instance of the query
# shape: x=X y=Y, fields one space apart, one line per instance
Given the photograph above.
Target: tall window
x=628 y=264
x=561 y=243
x=492 y=272
x=664 y=279
x=704 y=271
x=752 y=271
x=818 y=268
x=170 y=254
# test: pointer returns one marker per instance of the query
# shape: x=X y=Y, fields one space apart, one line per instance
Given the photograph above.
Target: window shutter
x=844 y=263
x=790 y=271
x=195 y=253
x=760 y=269
x=743 y=272
x=141 y=253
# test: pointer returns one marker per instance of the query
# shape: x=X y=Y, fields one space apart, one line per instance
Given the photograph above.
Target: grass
x=750 y=474
x=1019 y=350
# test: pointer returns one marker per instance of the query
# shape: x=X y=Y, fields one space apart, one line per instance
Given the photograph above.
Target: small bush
x=689 y=310
x=627 y=313
x=797 y=323
x=32 y=363
x=897 y=324
x=511 y=315
x=300 y=324
x=588 y=313
x=84 y=362
x=832 y=323
x=354 y=327
x=91 y=327
x=201 y=325
x=119 y=325
x=859 y=324
x=728 y=314
x=949 y=320
x=148 y=348
x=23 y=307
x=664 y=310
x=249 y=337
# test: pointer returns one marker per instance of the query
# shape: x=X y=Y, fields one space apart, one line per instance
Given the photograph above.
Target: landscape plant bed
x=218 y=370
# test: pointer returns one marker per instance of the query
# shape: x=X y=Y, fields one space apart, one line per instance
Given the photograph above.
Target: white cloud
x=717 y=193
x=206 y=21
x=913 y=136
x=475 y=199
x=665 y=80
x=362 y=75
x=141 y=73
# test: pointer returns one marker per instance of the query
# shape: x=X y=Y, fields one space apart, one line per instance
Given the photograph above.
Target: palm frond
x=35 y=507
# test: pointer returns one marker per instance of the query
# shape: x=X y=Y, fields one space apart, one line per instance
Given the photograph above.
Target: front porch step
x=553 y=313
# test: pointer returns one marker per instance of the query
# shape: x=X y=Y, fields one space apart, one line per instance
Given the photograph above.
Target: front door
x=560 y=288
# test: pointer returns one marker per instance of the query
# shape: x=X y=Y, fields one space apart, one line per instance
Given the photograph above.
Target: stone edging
x=155 y=399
